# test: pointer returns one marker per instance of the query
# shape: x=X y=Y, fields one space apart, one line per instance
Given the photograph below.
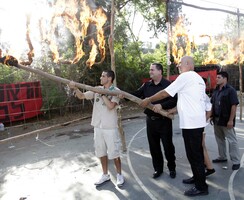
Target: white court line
x=230 y=185
x=133 y=172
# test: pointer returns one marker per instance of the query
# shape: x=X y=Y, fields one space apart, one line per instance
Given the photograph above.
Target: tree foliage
x=231 y=26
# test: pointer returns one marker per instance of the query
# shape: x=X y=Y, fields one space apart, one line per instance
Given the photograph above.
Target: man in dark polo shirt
x=225 y=101
x=159 y=127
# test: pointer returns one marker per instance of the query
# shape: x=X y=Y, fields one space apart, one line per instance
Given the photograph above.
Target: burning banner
x=60 y=24
x=220 y=49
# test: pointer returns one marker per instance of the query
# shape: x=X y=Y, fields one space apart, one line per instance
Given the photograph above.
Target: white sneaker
x=120 y=180
x=104 y=178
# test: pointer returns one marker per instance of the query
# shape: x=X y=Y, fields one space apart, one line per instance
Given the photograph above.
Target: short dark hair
x=110 y=73
x=159 y=66
x=224 y=74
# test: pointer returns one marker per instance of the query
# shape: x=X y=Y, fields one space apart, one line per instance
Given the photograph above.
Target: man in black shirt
x=225 y=101
x=159 y=127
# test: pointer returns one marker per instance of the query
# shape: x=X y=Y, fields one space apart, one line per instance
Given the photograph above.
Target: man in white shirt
x=105 y=123
x=190 y=88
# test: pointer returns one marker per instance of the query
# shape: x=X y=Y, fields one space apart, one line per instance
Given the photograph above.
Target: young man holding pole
x=105 y=123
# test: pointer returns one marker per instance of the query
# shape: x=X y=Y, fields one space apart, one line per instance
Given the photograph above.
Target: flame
x=231 y=51
x=78 y=28
x=241 y=50
x=56 y=21
x=179 y=32
x=210 y=53
x=30 y=54
x=93 y=53
x=100 y=19
x=9 y=60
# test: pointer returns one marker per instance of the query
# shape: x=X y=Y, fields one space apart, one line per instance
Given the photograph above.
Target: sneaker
x=209 y=172
x=120 y=180
x=104 y=178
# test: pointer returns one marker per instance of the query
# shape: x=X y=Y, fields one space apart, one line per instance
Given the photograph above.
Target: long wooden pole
x=240 y=66
x=111 y=48
x=90 y=88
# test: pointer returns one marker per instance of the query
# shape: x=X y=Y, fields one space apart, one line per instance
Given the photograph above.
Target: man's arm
x=158 y=96
x=110 y=104
x=208 y=115
x=230 y=123
x=77 y=92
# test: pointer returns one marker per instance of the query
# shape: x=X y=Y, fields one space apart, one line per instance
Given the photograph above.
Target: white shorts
x=107 y=143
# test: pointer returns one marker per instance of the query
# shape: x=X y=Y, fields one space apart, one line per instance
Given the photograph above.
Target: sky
x=13 y=23
x=210 y=22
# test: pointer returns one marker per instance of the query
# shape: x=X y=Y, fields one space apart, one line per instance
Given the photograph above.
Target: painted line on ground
x=230 y=185
x=144 y=188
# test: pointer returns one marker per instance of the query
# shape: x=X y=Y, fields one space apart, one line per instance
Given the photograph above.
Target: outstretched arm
x=160 y=95
x=77 y=92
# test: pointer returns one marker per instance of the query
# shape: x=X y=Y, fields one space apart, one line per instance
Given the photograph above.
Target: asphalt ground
x=60 y=164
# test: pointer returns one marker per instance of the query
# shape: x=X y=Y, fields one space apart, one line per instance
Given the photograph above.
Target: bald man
x=190 y=88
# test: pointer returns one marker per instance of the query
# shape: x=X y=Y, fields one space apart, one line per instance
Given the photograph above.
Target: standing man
x=105 y=122
x=191 y=109
x=225 y=101
x=159 y=127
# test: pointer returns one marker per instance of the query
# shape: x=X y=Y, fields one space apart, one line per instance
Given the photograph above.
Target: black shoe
x=189 y=180
x=156 y=174
x=172 y=174
x=217 y=160
x=235 y=166
x=209 y=172
x=194 y=192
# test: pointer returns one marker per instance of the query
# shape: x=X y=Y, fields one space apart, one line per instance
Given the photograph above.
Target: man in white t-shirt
x=105 y=123
x=190 y=88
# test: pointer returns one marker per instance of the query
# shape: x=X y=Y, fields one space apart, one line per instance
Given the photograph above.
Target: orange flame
x=93 y=53
x=221 y=50
x=210 y=54
x=78 y=28
x=30 y=54
x=9 y=60
x=178 y=50
x=241 y=50
x=100 y=19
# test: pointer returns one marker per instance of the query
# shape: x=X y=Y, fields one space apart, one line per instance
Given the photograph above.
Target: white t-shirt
x=102 y=117
x=208 y=106
x=190 y=88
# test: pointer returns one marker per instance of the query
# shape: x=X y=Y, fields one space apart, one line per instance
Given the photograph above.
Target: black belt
x=154 y=117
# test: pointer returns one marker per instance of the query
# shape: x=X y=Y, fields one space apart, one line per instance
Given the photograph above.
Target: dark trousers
x=194 y=153
x=161 y=129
